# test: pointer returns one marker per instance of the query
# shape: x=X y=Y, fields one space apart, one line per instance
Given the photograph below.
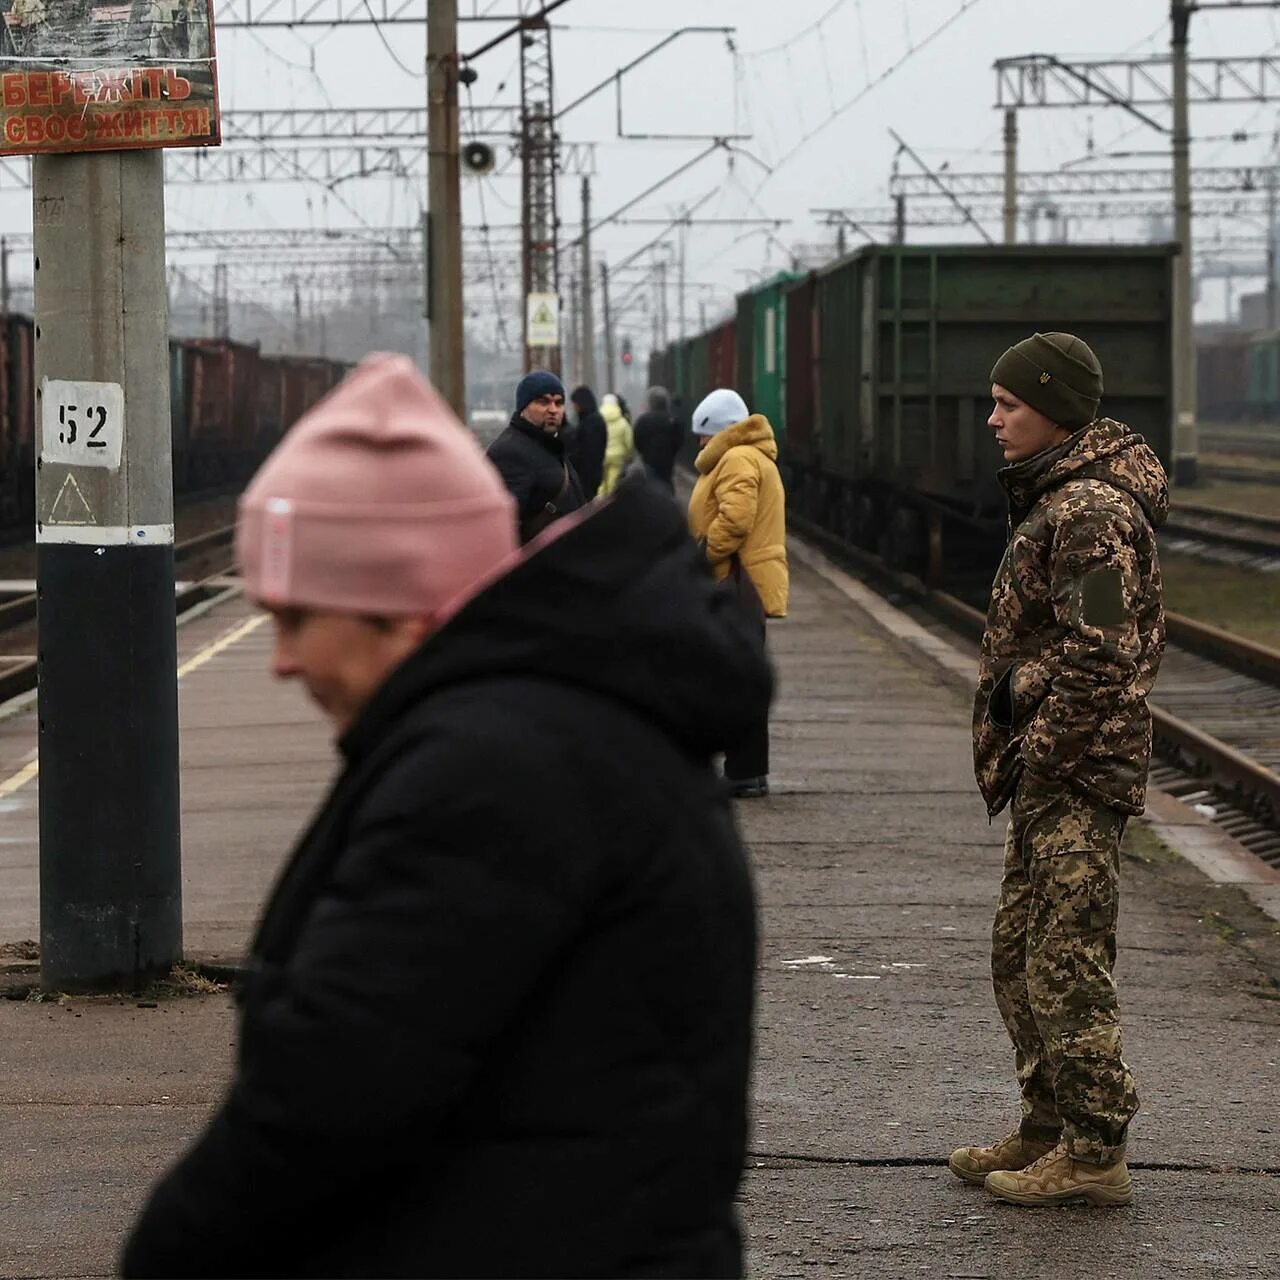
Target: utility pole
x=539 y=157
x=899 y=219
x=661 y=316
x=607 y=317
x=1185 y=436
x=110 y=861
x=1011 y=175
x=446 y=366
x=1272 y=318
x=297 y=317
x=221 y=302
x=572 y=357
x=682 y=235
x=4 y=276
x=588 y=317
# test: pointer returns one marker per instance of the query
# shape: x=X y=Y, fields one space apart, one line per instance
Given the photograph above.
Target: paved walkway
x=879 y=1047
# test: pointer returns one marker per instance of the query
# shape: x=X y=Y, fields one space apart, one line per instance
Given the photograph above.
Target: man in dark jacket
x=659 y=437
x=531 y=458
x=1061 y=730
x=497 y=1017
x=590 y=437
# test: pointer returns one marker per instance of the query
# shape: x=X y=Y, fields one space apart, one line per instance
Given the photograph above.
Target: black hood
x=584 y=401
x=1104 y=450
x=622 y=604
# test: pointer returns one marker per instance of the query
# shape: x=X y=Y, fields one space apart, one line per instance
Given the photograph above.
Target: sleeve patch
x=1102 y=598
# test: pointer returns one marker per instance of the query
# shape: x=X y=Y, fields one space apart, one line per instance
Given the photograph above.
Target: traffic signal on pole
x=626 y=351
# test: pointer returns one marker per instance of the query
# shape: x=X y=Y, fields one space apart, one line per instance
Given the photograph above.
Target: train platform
x=879 y=1047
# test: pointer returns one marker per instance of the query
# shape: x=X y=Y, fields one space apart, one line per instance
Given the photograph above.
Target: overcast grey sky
x=815 y=83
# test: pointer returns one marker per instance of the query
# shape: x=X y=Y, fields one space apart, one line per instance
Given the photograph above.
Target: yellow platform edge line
x=28 y=771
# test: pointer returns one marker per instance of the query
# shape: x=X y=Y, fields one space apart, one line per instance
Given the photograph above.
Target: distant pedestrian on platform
x=737 y=512
x=659 y=437
x=589 y=440
x=620 y=447
x=496 y=1020
x=531 y=457
x=1061 y=729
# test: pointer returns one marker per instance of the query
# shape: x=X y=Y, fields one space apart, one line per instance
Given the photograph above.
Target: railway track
x=1215 y=712
x=193 y=559
x=1245 y=535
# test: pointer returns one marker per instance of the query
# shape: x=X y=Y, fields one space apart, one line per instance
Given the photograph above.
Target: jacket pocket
x=1000 y=709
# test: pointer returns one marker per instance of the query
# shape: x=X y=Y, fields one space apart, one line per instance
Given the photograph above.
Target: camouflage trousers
x=1053 y=949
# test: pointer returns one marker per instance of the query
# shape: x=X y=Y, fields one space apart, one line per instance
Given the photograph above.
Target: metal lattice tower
x=540 y=171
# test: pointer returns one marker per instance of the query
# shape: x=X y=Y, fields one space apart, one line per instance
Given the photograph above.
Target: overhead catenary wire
x=869 y=87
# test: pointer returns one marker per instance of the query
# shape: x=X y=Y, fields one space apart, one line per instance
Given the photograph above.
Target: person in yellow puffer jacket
x=737 y=512
x=621 y=445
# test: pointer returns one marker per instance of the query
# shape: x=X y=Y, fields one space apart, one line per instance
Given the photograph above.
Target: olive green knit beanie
x=1055 y=373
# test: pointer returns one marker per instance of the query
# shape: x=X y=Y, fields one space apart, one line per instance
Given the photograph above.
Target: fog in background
x=813 y=85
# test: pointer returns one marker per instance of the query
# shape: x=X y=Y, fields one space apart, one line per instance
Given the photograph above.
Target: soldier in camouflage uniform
x=1061 y=731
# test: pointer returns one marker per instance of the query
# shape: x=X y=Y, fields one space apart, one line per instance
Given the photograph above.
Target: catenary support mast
x=110 y=865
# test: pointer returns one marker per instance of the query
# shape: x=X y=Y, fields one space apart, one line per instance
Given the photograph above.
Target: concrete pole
x=444 y=204
x=4 y=276
x=900 y=220
x=662 y=302
x=607 y=317
x=1011 y=175
x=682 y=277
x=1185 y=434
x=571 y=346
x=1272 y=319
x=588 y=314
x=110 y=861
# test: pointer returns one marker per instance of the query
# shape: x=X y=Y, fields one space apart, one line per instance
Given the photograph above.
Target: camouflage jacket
x=1075 y=630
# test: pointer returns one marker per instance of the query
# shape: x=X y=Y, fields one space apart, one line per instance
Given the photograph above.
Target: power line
x=386 y=44
x=799 y=35
x=965 y=6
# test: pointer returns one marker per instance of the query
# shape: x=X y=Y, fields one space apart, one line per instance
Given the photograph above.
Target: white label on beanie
x=277 y=549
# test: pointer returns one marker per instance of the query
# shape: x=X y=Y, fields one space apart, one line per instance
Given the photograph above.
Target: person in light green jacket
x=621 y=445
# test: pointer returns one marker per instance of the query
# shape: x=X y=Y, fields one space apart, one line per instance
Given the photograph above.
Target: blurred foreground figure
x=498 y=1014
x=1061 y=730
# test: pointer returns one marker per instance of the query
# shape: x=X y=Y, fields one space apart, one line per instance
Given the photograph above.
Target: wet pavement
x=879 y=1048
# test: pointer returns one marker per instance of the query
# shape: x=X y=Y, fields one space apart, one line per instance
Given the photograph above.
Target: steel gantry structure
x=231 y=15
x=1041 y=80
x=1079 y=182
x=1173 y=82
x=540 y=170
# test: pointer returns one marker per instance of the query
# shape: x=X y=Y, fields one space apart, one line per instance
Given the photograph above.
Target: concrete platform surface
x=879 y=1048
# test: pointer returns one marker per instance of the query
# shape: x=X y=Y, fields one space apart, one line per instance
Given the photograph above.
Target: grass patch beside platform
x=1230 y=495
x=1241 y=601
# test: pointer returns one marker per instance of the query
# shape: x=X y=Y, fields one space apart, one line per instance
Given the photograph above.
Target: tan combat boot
x=1014 y=1152
x=1056 y=1178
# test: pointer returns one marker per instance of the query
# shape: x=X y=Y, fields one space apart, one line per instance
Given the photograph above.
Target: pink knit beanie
x=378 y=501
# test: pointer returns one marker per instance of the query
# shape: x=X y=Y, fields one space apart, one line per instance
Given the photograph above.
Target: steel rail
x=20 y=675
x=1207 y=756
x=1264 y=542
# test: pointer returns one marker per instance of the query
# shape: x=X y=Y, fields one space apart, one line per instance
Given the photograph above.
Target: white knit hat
x=722 y=408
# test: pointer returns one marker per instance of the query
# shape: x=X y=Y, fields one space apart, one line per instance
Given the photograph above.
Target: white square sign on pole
x=543 y=319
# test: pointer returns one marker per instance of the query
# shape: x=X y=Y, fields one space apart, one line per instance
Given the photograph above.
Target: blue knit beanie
x=535 y=384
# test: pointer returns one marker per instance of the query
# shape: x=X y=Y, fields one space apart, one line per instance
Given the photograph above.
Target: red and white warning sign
x=107 y=77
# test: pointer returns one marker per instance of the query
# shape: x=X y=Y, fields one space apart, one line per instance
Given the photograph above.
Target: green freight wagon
x=1263 y=366
x=906 y=337
x=762 y=348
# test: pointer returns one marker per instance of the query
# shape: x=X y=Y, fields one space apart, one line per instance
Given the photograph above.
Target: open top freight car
x=883 y=393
